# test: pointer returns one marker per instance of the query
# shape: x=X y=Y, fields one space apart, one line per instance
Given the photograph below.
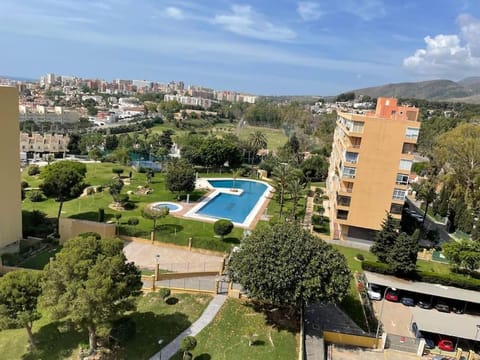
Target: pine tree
x=402 y=256
x=385 y=238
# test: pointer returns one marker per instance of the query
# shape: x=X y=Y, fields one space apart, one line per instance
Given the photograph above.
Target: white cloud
x=309 y=11
x=451 y=55
x=243 y=20
x=174 y=13
x=367 y=10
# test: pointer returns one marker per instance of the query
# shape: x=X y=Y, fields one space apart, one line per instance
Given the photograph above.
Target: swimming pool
x=172 y=207
x=240 y=206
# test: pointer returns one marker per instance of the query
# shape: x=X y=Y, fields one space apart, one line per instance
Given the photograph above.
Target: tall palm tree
x=257 y=140
x=425 y=192
x=281 y=178
x=295 y=187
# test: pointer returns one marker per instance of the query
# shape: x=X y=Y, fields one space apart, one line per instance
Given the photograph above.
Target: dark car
x=415 y=330
x=425 y=303
x=442 y=307
x=407 y=301
x=429 y=343
x=458 y=308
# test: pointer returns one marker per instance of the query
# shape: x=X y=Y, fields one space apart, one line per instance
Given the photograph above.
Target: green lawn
x=154 y=320
x=39 y=261
x=276 y=138
x=227 y=336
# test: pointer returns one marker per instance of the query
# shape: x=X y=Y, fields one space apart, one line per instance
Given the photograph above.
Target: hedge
x=451 y=279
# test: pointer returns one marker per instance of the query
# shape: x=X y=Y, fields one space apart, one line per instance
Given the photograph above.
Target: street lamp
x=381 y=311
x=160 y=342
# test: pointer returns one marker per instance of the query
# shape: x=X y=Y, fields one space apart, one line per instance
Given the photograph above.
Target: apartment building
x=370 y=164
x=10 y=206
x=43 y=144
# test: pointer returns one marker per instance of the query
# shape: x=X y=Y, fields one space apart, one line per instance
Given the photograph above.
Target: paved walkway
x=210 y=312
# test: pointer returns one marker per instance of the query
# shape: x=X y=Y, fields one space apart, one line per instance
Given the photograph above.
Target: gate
x=402 y=343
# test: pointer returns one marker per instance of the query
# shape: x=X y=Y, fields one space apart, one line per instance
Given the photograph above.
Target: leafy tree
x=188 y=343
x=95 y=154
x=463 y=254
x=291 y=267
x=385 y=238
x=115 y=188
x=74 y=144
x=91 y=284
x=19 y=291
x=180 y=176
x=222 y=227
x=118 y=172
x=425 y=192
x=111 y=142
x=33 y=170
x=348 y=96
x=315 y=168
x=63 y=180
x=402 y=256
x=154 y=214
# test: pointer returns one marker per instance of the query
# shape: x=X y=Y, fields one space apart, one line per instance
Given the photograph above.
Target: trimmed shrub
x=24 y=184
x=133 y=221
x=90 y=234
x=164 y=293
x=317 y=219
x=378 y=267
x=360 y=257
x=33 y=170
x=36 y=196
x=223 y=227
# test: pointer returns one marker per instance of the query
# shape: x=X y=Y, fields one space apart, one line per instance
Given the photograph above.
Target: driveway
x=396 y=318
x=171 y=259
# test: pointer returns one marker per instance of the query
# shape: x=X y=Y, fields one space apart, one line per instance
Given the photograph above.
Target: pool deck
x=188 y=210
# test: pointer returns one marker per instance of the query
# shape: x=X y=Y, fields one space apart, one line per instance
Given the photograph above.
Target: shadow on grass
x=281 y=318
x=91 y=216
x=56 y=340
x=203 y=357
x=231 y=240
x=171 y=301
x=151 y=328
x=353 y=308
x=168 y=228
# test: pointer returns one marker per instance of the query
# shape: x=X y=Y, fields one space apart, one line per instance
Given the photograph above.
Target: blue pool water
x=233 y=207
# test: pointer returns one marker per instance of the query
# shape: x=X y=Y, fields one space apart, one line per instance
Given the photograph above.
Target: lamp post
x=160 y=342
x=381 y=311
x=157 y=266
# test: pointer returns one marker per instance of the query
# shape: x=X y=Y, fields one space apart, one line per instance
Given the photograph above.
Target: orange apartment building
x=372 y=155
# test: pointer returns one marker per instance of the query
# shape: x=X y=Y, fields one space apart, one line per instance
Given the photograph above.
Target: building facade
x=10 y=208
x=372 y=155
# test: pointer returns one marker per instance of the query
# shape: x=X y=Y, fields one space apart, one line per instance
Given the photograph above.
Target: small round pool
x=170 y=205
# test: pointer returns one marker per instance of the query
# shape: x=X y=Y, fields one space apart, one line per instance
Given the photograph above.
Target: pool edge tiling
x=248 y=220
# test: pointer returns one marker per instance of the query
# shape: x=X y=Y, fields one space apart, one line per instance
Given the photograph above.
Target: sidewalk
x=208 y=315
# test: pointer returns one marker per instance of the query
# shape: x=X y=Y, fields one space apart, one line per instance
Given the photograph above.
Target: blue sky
x=262 y=47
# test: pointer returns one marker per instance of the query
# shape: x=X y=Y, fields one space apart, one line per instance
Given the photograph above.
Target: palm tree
x=425 y=192
x=295 y=188
x=236 y=174
x=257 y=140
x=281 y=177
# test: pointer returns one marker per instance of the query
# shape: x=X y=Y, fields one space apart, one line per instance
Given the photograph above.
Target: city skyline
x=265 y=48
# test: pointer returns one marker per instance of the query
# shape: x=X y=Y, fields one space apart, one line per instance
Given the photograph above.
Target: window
x=342 y=214
x=405 y=164
x=351 y=157
x=399 y=194
x=412 y=133
x=357 y=126
x=402 y=179
x=343 y=200
x=396 y=209
x=349 y=172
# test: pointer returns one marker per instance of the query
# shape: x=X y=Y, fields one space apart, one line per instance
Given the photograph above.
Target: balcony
x=342 y=214
x=351 y=127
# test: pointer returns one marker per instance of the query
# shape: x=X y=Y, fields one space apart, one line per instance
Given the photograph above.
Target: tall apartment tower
x=10 y=205
x=372 y=154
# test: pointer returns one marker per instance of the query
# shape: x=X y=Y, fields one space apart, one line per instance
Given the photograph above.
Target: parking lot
x=396 y=318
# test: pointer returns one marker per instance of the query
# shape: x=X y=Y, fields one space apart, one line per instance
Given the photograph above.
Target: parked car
x=391 y=295
x=415 y=330
x=407 y=301
x=446 y=345
x=374 y=292
x=442 y=307
x=458 y=308
x=429 y=343
x=425 y=303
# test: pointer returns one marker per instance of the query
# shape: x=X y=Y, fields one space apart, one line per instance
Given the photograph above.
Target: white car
x=374 y=292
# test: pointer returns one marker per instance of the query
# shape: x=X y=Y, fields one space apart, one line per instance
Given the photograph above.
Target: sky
x=263 y=47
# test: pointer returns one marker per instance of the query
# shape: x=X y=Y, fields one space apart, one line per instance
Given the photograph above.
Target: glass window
x=342 y=214
x=349 y=172
x=402 y=179
x=405 y=164
x=351 y=157
x=396 y=208
x=412 y=133
x=399 y=194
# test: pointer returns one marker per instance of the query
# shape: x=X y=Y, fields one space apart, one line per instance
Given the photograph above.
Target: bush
x=360 y=257
x=24 y=184
x=223 y=227
x=378 y=267
x=36 y=196
x=164 y=293
x=90 y=234
x=133 y=221
x=317 y=219
x=33 y=170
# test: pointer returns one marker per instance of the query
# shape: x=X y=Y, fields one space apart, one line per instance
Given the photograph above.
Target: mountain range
x=466 y=90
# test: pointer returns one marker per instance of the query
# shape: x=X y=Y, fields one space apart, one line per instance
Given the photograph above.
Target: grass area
x=154 y=320
x=39 y=261
x=276 y=138
x=227 y=337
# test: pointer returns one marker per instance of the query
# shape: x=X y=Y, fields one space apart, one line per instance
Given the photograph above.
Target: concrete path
x=206 y=318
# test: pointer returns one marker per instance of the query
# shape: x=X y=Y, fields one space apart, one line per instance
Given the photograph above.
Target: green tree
x=180 y=176
x=385 y=238
x=256 y=141
x=281 y=176
x=118 y=172
x=291 y=267
x=63 y=180
x=425 y=192
x=19 y=292
x=188 y=343
x=402 y=256
x=295 y=188
x=91 y=284
x=154 y=214
x=222 y=227
x=115 y=188
x=463 y=254
x=95 y=154
x=315 y=168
